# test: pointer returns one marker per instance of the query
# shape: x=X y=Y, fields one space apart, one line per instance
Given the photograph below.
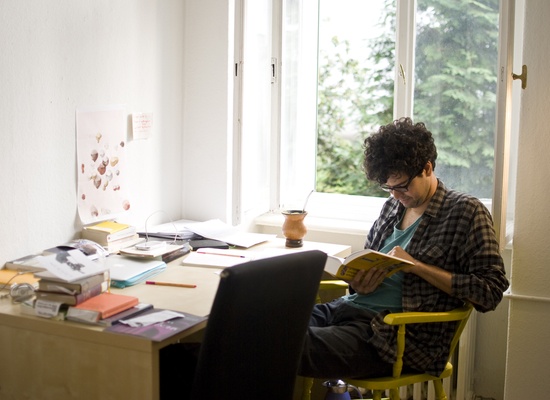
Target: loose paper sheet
x=217 y=258
x=152 y=318
x=142 y=125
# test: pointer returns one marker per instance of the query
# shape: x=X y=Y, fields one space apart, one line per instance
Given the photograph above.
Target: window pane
x=256 y=106
x=298 y=99
x=455 y=88
x=355 y=92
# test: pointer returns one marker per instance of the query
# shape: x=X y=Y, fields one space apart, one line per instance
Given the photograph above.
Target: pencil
x=185 y=285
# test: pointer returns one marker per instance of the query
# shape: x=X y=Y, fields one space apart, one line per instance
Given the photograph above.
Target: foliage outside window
x=455 y=77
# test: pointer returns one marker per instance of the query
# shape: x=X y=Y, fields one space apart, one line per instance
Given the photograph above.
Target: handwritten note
x=142 y=125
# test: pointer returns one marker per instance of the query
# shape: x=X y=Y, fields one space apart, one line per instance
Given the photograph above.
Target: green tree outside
x=455 y=95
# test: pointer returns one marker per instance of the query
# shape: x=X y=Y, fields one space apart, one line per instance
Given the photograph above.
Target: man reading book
x=448 y=236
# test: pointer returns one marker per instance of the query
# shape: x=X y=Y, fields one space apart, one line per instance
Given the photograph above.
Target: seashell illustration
x=126 y=205
x=98 y=136
x=93 y=211
x=97 y=181
x=101 y=169
x=114 y=161
x=94 y=155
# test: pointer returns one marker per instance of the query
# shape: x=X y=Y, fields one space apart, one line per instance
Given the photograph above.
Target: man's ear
x=428 y=168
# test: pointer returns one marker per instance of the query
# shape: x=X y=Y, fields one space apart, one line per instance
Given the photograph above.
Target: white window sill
x=319 y=229
x=313 y=223
x=331 y=218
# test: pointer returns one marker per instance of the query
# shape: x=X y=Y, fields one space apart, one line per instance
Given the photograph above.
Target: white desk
x=46 y=359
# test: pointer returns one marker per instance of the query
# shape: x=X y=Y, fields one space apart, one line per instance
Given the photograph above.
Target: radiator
x=460 y=386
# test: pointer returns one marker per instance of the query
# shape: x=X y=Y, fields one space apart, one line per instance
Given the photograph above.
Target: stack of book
x=54 y=289
x=167 y=252
x=70 y=278
x=112 y=235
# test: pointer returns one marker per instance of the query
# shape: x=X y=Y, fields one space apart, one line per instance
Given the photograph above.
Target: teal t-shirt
x=388 y=295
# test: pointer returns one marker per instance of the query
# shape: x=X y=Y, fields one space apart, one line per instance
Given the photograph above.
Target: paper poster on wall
x=101 y=160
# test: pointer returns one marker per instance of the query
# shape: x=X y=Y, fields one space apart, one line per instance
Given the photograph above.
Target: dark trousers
x=337 y=344
x=177 y=370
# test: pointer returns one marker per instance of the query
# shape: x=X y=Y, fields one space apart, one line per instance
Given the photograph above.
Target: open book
x=346 y=268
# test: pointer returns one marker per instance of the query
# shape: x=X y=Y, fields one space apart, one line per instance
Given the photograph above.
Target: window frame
x=365 y=209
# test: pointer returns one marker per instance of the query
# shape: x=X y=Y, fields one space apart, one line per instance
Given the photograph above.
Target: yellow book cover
x=107 y=227
x=347 y=268
x=107 y=231
x=9 y=277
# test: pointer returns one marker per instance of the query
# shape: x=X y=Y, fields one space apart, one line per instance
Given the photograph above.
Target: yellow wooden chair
x=397 y=380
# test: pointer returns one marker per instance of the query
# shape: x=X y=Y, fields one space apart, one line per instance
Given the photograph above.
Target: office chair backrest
x=256 y=328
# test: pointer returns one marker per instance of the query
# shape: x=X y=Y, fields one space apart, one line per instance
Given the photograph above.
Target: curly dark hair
x=401 y=147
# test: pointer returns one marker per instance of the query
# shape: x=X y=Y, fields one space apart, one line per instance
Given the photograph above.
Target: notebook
x=128 y=271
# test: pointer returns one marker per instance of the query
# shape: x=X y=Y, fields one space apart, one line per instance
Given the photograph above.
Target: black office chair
x=253 y=341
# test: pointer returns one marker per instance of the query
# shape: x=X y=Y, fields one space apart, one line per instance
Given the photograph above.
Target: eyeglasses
x=399 y=188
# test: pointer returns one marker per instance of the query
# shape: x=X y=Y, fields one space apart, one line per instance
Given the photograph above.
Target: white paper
x=216 y=258
x=71 y=265
x=216 y=229
x=152 y=318
x=46 y=309
x=142 y=125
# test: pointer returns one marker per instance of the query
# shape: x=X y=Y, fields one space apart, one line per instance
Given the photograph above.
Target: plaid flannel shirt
x=456 y=233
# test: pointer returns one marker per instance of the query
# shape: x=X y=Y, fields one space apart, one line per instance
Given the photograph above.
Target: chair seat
x=404 y=380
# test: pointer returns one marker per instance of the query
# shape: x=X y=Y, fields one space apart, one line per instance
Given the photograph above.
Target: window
x=252 y=114
x=343 y=67
x=443 y=66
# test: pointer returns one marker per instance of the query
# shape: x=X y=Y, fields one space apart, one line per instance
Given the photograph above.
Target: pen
x=185 y=285
x=221 y=254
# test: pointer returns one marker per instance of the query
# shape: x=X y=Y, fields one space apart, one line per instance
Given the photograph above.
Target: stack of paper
x=216 y=229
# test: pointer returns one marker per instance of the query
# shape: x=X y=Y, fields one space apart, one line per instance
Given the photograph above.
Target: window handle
x=274 y=70
x=522 y=77
x=402 y=73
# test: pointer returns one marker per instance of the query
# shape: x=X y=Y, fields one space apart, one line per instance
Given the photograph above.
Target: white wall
x=529 y=318
x=63 y=54
x=208 y=111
